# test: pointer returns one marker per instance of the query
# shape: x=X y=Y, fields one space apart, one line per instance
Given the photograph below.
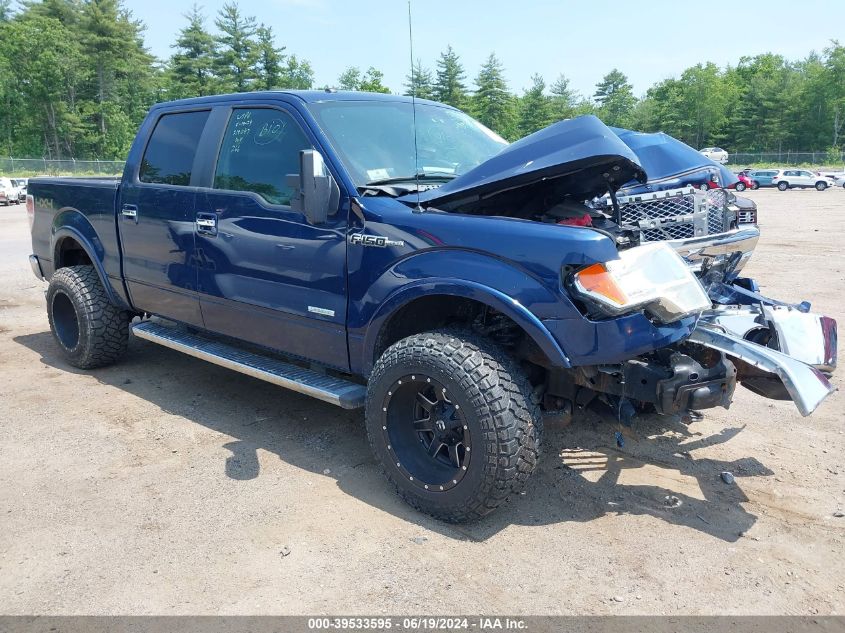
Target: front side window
x=170 y=153
x=260 y=148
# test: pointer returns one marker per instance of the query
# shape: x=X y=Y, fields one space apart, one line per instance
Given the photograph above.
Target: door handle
x=206 y=223
x=130 y=211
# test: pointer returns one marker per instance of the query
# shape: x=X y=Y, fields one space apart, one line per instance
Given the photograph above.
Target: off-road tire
x=75 y=295
x=496 y=399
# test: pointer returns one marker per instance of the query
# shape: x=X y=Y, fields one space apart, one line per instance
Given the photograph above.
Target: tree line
x=76 y=80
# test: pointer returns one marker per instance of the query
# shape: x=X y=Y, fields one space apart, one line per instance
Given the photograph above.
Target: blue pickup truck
x=382 y=252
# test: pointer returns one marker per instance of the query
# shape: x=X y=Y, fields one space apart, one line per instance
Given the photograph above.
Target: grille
x=660 y=209
x=670 y=216
x=674 y=215
x=716 y=200
x=675 y=232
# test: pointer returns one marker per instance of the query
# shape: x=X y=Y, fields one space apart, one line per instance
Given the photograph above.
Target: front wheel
x=91 y=331
x=740 y=186
x=821 y=186
x=783 y=186
x=450 y=417
x=755 y=185
x=704 y=187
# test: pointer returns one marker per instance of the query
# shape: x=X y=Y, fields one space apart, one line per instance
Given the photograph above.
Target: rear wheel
x=783 y=186
x=704 y=186
x=755 y=185
x=740 y=186
x=89 y=329
x=451 y=419
x=821 y=186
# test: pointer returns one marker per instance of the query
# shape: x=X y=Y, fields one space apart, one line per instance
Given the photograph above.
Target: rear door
x=156 y=219
x=266 y=275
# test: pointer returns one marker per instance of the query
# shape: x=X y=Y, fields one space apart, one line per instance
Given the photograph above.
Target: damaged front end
x=681 y=251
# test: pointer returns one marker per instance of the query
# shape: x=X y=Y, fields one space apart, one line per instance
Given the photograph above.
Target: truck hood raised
x=670 y=163
x=580 y=158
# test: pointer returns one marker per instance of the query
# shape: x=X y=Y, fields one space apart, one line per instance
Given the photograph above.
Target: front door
x=156 y=221
x=266 y=275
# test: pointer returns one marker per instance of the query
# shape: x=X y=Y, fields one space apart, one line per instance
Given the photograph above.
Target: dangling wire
x=414 y=107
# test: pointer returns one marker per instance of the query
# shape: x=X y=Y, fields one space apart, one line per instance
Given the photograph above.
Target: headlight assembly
x=653 y=278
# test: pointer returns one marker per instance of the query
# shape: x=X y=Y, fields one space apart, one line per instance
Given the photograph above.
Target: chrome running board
x=337 y=391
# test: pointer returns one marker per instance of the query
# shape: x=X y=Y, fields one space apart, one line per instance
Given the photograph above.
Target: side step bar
x=337 y=391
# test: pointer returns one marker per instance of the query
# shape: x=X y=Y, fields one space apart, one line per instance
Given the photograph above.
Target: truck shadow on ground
x=581 y=477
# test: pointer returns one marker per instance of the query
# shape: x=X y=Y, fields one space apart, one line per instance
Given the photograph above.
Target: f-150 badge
x=374 y=240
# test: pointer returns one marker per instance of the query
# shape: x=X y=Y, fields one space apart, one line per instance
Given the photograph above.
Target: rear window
x=170 y=153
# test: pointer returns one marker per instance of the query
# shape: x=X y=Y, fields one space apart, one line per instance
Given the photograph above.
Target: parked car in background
x=839 y=180
x=20 y=184
x=762 y=177
x=798 y=179
x=715 y=153
x=743 y=183
x=8 y=192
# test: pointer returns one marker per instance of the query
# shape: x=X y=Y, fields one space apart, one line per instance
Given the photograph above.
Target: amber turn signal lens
x=596 y=279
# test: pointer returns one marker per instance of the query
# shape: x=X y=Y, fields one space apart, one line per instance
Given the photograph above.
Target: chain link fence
x=826 y=159
x=69 y=167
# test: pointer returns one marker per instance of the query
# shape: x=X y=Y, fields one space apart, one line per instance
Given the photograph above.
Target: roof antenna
x=418 y=209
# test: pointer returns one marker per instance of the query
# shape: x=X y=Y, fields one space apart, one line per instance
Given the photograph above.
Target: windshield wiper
x=421 y=176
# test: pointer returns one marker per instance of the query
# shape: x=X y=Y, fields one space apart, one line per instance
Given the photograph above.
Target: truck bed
x=85 y=205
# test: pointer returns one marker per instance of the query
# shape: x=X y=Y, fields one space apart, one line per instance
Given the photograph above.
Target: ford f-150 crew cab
x=375 y=251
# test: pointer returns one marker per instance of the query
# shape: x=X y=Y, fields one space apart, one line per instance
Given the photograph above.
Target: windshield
x=375 y=140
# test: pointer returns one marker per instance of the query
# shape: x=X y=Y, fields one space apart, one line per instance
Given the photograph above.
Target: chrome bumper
x=720 y=246
x=806 y=385
x=36 y=266
x=804 y=336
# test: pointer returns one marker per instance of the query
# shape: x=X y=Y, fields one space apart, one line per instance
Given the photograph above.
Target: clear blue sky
x=648 y=40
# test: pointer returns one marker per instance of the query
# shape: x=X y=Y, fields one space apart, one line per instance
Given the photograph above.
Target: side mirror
x=317 y=194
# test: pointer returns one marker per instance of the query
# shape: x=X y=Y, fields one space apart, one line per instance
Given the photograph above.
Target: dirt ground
x=166 y=485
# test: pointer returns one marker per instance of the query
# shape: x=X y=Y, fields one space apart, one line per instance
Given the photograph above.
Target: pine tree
x=270 y=59
x=615 y=97
x=492 y=104
x=563 y=100
x=449 y=86
x=420 y=83
x=122 y=73
x=192 y=65
x=534 y=111
x=237 y=52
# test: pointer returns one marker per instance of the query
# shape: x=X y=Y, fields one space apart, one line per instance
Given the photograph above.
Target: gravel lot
x=166 y=485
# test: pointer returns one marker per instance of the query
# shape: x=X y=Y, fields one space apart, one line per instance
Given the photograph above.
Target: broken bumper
x=764 y=370
x=804 y=336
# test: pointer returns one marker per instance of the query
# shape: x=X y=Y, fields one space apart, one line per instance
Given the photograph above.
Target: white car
x=715 y=153
x=839 y=179
x=799 y=179
x=21 y=184
x=8 y=192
